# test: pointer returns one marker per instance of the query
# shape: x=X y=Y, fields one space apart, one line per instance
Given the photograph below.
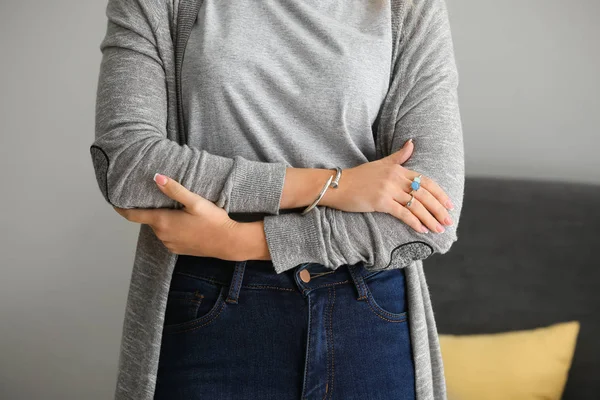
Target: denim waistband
x=260 y=273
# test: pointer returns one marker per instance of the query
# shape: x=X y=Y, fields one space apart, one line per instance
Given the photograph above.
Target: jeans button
x=305 y=276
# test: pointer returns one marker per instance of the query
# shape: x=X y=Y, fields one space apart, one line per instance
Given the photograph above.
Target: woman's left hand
x=201 y=228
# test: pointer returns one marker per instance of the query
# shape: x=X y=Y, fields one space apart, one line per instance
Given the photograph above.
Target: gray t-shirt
x=293 y=81
x=138 y=133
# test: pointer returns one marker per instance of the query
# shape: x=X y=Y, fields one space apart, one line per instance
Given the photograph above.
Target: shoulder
x=142 y=13
x=415 y=13
x=416 y=22
x=425 y=44
x=153 y=20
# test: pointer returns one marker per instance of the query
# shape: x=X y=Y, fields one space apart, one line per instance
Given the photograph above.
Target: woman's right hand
x=384 y=185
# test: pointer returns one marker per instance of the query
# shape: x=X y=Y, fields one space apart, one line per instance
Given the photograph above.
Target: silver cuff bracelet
x=333 y=182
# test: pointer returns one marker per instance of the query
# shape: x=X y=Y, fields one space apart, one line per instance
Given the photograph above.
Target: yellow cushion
x=529 y=364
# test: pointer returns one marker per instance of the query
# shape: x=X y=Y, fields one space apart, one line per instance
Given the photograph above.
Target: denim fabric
x=238 y=330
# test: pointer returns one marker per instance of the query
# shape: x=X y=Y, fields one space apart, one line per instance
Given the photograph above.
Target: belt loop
x=236 y=282
x=359 y=283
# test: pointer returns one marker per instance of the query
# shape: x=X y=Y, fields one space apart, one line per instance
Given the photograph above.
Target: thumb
x=400 y=156
x=175 y=190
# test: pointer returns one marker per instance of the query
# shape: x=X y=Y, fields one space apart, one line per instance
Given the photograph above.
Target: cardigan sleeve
x=428 y=113
x=131 y=142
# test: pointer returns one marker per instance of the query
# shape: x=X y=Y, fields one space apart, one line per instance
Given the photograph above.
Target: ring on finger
x=416 y=182
x=412 y=197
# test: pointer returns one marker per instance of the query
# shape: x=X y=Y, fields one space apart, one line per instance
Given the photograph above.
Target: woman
x=283 y=285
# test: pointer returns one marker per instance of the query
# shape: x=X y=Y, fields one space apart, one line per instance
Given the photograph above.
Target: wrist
x=302 y=186
x=332 y=195
x=250 y=242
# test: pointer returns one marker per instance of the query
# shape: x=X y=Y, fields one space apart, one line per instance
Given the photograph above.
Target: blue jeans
x=238 y=330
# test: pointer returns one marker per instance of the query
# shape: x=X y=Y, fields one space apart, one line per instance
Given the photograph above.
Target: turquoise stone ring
x=416 y=183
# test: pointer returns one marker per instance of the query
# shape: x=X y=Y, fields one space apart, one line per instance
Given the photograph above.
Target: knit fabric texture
x=142 y=128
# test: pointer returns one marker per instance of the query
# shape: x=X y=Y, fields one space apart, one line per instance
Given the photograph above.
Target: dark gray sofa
x=526 y=256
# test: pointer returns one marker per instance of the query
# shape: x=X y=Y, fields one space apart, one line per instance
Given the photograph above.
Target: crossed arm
x=131 y=146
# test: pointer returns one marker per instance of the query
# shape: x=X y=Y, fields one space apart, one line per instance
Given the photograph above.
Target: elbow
x=101 y=164
x=125 y=156
x=106 y=179
x=405 y=254
x=121 y=187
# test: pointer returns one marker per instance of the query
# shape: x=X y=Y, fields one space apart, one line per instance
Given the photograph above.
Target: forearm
x=249 y=242
x=385 y=236
x=302 y=186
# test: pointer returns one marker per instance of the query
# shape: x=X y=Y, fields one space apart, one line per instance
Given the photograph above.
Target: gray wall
x=529 y=94
x=529 y=87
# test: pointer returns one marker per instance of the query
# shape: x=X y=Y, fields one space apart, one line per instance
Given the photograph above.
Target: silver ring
x=411 y=200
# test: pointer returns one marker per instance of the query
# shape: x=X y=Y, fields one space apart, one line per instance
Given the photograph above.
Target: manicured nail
x=449 y=205
x=448 y=221
x=439 y=228
x=407 y=142
x=424 y=229
x=160 y=179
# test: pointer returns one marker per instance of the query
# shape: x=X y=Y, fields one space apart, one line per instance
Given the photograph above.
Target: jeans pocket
x=192 y=303
x=386 y=294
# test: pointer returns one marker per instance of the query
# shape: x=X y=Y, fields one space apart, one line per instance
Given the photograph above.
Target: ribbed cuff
x=294 y=239
x=257 y=186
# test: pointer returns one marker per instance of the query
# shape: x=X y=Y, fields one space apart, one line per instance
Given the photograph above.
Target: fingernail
x=424 y=229
x=407 y=142
x=160 y=179
x=448 y=221
x=449 y=205
x=440 y=228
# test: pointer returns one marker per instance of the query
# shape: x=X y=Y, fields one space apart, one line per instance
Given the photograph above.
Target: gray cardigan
x=139 y=131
